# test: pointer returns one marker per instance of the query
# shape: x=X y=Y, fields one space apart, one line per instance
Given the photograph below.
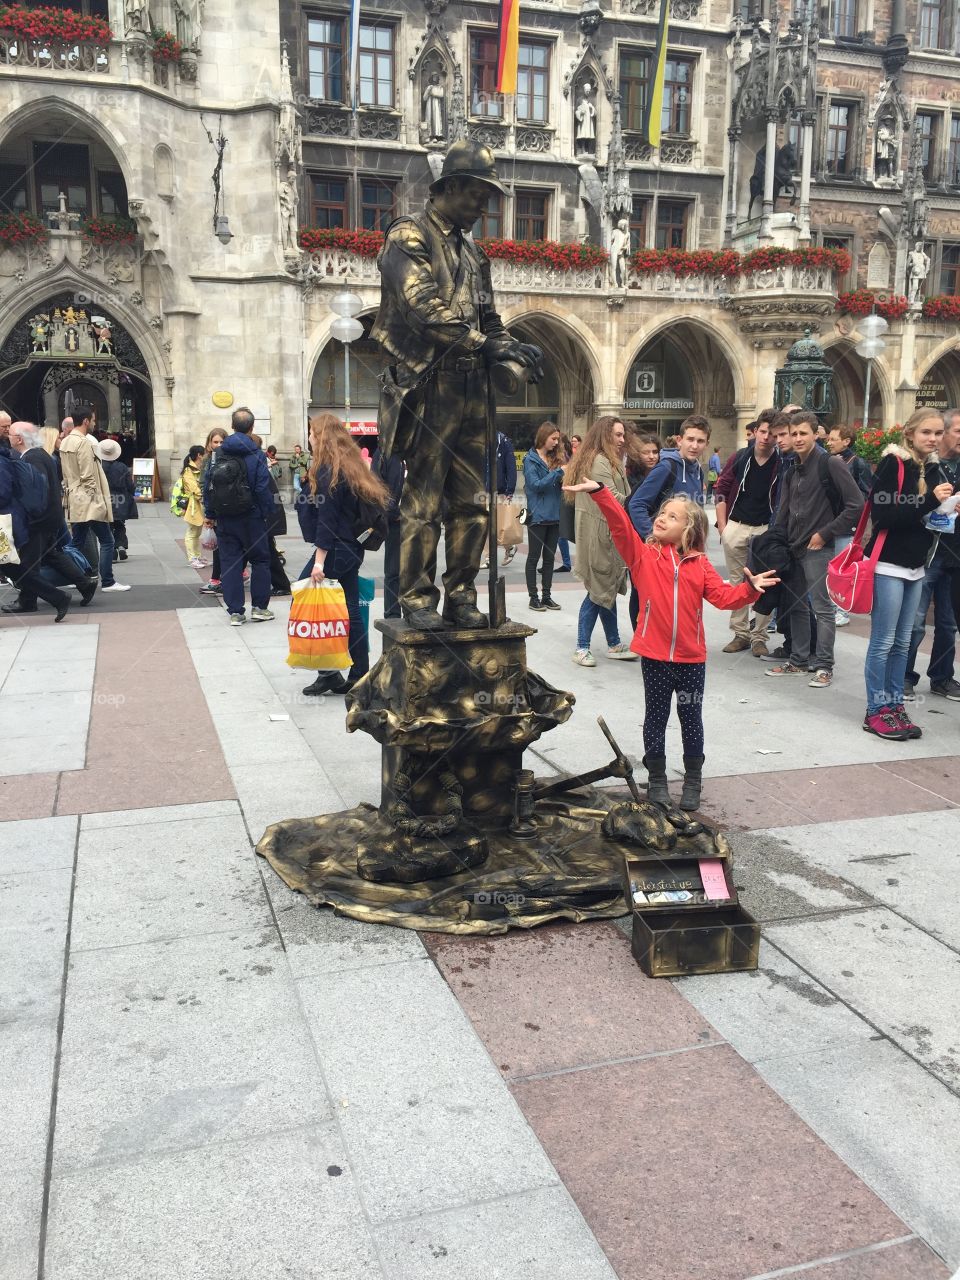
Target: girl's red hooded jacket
x=672 y=588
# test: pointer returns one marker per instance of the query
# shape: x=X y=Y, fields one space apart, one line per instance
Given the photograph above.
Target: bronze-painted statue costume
x=438 y=324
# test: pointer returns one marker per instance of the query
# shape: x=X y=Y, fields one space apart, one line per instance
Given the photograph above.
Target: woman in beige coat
x=601 y=457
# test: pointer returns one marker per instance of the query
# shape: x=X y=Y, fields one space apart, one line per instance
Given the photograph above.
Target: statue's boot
x=467 y=616
x=425 y=619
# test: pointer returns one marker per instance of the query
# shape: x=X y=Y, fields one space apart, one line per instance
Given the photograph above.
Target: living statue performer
x=438 y=325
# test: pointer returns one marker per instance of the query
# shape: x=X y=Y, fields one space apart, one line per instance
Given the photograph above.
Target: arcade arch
x=682 y=368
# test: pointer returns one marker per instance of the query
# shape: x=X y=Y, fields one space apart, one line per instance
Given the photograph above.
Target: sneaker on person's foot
x=781 y=651
x=563 y=568
x=737 y=645
x=623 y=652
x=785 y=669
x=841 y=619
x=909 y=692
x=508 y=555
x=261 y=615
x=211 y=588
x=246 y=575
x=197 y=563
x=900 y=715
x=237 y=619
x=884 y=724
x=946 y=689
x=117 y=586
x=823 y=679
x=584 y=658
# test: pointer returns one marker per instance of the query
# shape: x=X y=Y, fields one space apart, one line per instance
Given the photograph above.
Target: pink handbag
x=850 y=574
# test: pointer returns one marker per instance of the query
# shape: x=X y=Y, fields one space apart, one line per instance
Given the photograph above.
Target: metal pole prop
x=496 y=586
x=866 y=395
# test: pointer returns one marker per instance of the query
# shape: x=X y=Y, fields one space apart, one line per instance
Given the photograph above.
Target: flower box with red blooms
x=767 y=259
x=104 y=231
x=861 y=302
x=729 y=263
x=560 y=256
x=365 y=244
x=166 y=46
x=871 y=442
x=54 y=24
x=21 y=228
x=942 y=306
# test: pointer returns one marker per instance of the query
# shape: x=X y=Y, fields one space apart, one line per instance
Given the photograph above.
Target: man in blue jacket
x=677 y=473
x=27 y=542
x=238 y=499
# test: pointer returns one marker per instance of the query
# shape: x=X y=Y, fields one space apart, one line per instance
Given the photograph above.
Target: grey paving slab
x=902 y=861
x=21 y=1197
x=428 y=1121
x=150 y=883
x=27 y=1052
x=165 y=814
x=318 y=941
x=775 y=1010
x=279 y=1206
x=272 y=743
x=300 y=791
x=892 y=1123
x=169 y=1045
x=776 y=881
x=29 y=675
x=37 y=844
x=539 y=1235
x=44 y=732
x=11 y=639
x=901 y=979
x=33 y=929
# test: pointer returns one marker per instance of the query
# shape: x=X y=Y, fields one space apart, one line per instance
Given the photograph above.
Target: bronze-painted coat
x=599 y=563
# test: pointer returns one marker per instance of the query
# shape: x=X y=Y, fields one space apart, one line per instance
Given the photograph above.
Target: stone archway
x=567 y=394
x=681 y=368
x=849 y=387
x=940 y=384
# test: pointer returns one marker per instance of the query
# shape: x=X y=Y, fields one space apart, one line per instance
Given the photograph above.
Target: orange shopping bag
x=318 y=630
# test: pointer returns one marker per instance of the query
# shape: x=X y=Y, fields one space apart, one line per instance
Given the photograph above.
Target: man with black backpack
x=819 y=502
x=26 y=539
x=238 y=499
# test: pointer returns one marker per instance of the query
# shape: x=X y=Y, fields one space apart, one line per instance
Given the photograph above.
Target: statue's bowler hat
x=469 y=160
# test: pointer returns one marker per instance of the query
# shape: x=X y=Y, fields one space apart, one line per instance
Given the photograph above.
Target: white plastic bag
x=208 y=539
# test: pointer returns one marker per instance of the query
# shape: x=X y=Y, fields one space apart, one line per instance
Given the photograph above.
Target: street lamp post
x=346 y=329
x=870 y=346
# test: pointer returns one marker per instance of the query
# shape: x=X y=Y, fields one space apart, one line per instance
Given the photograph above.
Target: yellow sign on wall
x=222 y=399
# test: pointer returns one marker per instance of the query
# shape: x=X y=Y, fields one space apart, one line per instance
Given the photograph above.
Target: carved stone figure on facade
x=137 y=15
x=918 y=268
x=434 y=109
x=289 y=198
x=189 y=22
x=619 y=253
x=585 y=114
x=885 y=150
x=289 y=133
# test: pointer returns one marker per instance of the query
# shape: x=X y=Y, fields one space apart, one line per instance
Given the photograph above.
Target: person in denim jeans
x=905 y=491
x=937 y=584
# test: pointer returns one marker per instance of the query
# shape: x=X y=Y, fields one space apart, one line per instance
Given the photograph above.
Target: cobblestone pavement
x=204 y=1077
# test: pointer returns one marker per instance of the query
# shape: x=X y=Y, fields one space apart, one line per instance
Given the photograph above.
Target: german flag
x=509 y=42
x=654 y=111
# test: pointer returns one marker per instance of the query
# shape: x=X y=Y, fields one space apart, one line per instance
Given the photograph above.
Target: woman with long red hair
x=332 y=520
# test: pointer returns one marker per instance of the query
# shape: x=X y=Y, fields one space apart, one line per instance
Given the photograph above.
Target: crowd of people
x=635 y=509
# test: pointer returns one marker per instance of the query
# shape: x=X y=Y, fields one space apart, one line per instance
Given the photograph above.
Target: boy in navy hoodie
x=677 y=473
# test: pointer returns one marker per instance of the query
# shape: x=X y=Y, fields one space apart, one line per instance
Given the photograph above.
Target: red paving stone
x=563 y=996
x=28 y=795
x=795 y=797
x=910 y=1261
x=689 y=1167
x=152 y=741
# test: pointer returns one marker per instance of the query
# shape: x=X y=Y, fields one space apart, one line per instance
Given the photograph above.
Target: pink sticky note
x=714 y=880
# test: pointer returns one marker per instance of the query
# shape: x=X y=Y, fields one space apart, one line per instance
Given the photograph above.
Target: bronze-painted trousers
x=443 y=441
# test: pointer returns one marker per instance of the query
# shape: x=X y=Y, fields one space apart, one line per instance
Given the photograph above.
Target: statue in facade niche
x=137 y=15
x=189 y=19
x=585 y=115
x=289 y=200
x=885 y=151
x=435 y=109
x=619 y=253
x=918 y=268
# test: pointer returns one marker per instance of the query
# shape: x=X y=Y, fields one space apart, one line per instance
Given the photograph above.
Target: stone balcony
x=117 y=59
x=87 y=56
x=111 y=269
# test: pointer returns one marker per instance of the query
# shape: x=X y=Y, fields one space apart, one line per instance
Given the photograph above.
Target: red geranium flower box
x=21 y=228
x=54 y=24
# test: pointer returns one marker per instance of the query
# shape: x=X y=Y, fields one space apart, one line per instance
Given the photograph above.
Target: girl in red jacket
x=673 y=577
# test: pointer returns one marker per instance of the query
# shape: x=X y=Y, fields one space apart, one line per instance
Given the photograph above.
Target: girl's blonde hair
x=694 y=536
x=909 y=429
x=332 y=446
x=48 y=438
x=217 y=431
x=599 y=439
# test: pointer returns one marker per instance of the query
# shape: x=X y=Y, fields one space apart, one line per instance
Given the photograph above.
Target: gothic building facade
x=199 y=179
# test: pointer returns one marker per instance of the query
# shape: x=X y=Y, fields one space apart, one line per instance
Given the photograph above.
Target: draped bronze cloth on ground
x=568 y=871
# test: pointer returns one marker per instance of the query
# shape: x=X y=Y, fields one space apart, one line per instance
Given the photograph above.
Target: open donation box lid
x=653 y=885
